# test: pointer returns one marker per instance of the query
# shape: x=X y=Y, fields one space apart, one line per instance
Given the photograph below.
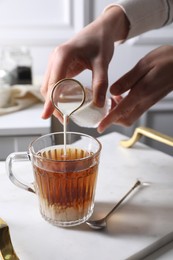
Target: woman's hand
x=148 y=82
x=92 y=48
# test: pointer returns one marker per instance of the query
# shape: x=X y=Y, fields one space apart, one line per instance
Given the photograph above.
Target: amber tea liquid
x=65 y=184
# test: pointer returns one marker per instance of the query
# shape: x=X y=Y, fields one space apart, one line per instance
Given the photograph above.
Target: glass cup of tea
x=64 y=180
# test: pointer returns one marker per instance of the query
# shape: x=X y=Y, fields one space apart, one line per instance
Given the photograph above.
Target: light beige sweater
x=146 y=15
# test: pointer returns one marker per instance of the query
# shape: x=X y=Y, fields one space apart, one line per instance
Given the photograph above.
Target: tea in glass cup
x=64 y=180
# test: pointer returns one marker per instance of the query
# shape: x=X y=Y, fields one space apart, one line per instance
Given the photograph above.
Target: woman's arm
x=145 y=15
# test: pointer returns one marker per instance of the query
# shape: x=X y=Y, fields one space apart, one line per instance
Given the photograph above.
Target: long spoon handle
x=138 y=183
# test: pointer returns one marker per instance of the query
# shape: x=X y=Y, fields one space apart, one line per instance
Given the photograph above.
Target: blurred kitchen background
x=30 y=30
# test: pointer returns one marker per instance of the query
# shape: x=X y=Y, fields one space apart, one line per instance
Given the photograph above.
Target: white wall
x=40 y=25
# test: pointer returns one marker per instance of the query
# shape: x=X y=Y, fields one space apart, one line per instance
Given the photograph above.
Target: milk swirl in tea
x=66 y=194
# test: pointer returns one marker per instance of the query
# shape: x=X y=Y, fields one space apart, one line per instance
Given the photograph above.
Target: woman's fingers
x=99 y=83
x=148 y=82
x=118 y=114
x=54 y=73
x=127 y=81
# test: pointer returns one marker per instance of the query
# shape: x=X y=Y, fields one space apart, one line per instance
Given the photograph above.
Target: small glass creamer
x=89 y=115
x=72 y=99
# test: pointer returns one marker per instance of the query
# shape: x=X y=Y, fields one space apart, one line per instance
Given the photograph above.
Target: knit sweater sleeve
x=146 y=15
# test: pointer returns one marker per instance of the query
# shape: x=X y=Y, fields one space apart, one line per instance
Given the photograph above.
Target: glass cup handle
x=14 y=157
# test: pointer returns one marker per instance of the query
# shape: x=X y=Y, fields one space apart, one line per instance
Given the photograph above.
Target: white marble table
x=145 y=217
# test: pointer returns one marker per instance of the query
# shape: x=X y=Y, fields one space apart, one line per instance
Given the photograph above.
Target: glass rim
x=62 y=133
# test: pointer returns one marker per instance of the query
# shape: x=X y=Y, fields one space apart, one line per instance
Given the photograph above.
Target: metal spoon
x=101 y=223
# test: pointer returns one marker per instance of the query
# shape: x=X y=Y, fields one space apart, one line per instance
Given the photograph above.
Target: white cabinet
x=18 y=129
x=41 y=25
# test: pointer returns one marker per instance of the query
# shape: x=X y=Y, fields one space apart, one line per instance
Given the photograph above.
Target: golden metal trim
x=148 y=132
x=6 y=247
x=55 y=86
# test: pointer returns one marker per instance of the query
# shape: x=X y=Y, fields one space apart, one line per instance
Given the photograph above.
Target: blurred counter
x=18 y=129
